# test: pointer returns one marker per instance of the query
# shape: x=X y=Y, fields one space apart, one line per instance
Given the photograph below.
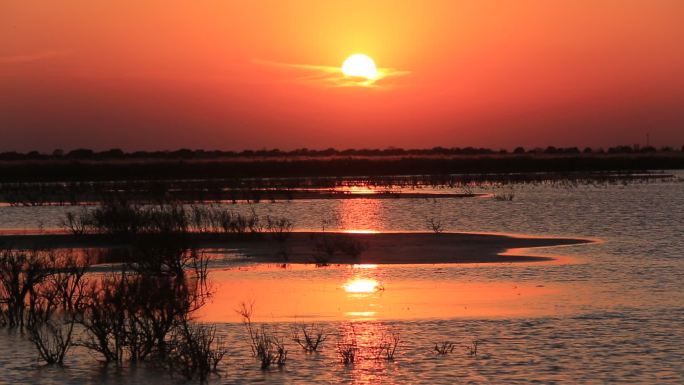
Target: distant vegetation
x=255 y=190
x=115 y=165
x=87 y=154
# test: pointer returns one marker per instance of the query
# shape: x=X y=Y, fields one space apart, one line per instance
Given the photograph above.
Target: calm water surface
x=607 y=312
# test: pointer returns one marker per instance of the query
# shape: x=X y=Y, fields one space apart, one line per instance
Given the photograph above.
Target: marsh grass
x=121 y=217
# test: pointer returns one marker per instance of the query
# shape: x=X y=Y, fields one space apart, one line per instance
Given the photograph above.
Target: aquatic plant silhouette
x=444 y=348
x=266 y=346
x=386 y=346
x=434 y=225
x=140 y=313
x=347 y=346
x=309 y=337
x=195 y=351
x=20 y=274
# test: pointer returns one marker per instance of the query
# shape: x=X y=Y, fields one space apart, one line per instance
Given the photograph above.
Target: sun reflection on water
x=369 y=340
x=362 y=286
x=360 y=216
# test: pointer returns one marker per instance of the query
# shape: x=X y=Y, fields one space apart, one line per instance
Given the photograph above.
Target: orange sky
x=167 y=74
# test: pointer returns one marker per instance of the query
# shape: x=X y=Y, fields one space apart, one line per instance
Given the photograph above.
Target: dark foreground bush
x=195 y=351
x=135 y=315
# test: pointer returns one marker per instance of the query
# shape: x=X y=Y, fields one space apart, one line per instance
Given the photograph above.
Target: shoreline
x=305 y=247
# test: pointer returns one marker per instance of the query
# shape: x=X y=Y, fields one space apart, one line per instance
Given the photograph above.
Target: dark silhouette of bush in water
x=266 y=346
x=135 y=313
x=309 y=337
x=56 y=306
x=140 y=314
x=20 y=274
x=41 y=293
x=195 y=351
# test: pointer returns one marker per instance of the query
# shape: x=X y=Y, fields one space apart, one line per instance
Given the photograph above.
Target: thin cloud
x=31 y=57
x=332 y=76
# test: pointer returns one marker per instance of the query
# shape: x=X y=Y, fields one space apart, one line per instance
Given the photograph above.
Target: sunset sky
x=261 y=74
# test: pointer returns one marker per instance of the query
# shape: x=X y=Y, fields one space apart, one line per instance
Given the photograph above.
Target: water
x=607 y=312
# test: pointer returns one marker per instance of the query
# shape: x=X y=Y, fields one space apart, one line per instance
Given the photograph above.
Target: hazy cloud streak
x=31 y=57
x=332 y=75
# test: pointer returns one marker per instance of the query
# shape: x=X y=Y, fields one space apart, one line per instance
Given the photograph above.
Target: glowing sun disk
x=360 y=65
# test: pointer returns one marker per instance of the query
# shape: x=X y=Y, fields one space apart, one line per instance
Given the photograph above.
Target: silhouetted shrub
x=309 y=337
x=434 y=225
x=444 y=348
x=21 y=272
x=266 y=346
x=347 y=347
x=195 y=351
x=387 y=346
x=280 y=228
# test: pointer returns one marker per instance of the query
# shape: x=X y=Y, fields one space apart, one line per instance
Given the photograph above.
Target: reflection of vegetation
x=327 y=245
x=139 y=314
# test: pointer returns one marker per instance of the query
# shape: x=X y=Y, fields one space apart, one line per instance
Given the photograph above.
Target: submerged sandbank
x=305 y=247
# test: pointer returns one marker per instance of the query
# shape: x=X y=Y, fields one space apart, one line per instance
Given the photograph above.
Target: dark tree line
x=88 y=154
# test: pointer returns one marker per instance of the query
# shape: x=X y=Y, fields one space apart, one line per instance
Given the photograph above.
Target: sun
x=360 y=66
